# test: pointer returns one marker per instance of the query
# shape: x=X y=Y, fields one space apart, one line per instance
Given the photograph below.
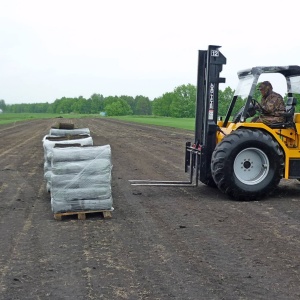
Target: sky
x=71 y=48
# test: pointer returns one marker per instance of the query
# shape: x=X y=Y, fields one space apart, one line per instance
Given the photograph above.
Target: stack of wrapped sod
x=81 y=179
x=49 y=143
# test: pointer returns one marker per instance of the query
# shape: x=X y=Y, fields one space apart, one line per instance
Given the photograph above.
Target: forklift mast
x=198 y=155
x=210 y=64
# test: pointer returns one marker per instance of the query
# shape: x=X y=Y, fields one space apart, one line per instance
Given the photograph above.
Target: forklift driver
x=272 y=105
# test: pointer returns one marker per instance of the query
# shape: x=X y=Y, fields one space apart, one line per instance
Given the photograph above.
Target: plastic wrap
x=98 y=167
x=64 y=132
x=49 y=143
x=81 y=179
x=97 y=152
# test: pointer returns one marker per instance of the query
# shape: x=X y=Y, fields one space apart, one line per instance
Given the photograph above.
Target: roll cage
x=248 y=80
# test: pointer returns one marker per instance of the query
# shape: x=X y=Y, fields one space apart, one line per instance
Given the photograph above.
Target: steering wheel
x=253 y=106
x=257 y=105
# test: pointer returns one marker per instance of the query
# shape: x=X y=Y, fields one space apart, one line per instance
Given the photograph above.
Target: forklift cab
x=248 y=80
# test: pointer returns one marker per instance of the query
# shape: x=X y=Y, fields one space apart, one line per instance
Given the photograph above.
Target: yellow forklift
x=244 y=160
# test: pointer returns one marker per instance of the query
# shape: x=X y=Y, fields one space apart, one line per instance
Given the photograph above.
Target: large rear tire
x=247 y=164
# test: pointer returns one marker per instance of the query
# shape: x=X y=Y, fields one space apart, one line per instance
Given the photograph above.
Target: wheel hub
x=251 y=166
x=247 y=164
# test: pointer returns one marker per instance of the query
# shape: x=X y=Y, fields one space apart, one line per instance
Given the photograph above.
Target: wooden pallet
x=82 y=214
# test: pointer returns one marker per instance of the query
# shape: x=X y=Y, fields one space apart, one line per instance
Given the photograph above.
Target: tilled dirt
x=161 y=242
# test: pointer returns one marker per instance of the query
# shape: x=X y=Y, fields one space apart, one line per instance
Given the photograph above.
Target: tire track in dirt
x=15 y=249
x=213 y=212
x=16 y=125
x=219 y=225
x=141 y=132
x=157 y=246
x=17 y=142
x=29 y=254
x=162 y=243
x=160 y=154
x=21 y=172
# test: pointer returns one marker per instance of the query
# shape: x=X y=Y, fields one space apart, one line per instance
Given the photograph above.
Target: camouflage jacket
x=273 y=107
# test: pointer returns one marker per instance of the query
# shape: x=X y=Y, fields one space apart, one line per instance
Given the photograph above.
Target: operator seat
x=288 y=115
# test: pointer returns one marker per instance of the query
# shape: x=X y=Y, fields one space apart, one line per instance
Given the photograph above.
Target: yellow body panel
x=288 y=139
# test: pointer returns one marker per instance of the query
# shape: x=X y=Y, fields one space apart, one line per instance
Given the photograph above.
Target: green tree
x=225 y=98
x=183 y=104
x=118 y=108
x=131 y=101
x=257 y=94
x=110 y=99
x=82 y=106
x=143 y=106
x=63 y=105
x=96 y=103
x=2 y=105
x=161 y=105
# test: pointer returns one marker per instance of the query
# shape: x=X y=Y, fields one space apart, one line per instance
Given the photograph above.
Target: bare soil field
x=161 y=242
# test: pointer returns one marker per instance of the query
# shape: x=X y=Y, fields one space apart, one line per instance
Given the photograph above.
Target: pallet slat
x=82 y=214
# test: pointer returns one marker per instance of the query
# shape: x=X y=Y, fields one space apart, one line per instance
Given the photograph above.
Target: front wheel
x=247 y=164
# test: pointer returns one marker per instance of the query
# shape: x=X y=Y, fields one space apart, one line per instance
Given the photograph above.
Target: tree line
x=112 y=105
x=180 y=103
